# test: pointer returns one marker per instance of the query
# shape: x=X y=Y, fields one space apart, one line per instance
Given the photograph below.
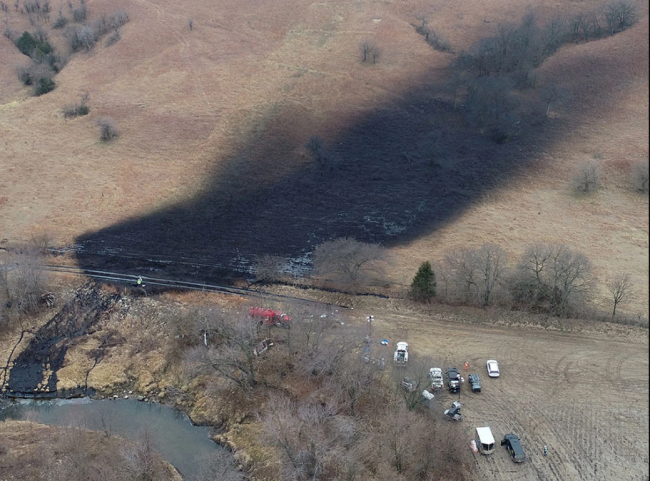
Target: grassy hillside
x=213 y=121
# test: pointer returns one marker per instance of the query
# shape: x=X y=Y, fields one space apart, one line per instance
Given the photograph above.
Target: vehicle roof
x=402 y=345
x=515 y=444
x=435 y=369
x=492 y=361
x=485 y=435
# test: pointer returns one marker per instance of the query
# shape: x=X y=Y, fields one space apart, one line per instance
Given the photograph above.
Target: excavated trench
x=33 y=373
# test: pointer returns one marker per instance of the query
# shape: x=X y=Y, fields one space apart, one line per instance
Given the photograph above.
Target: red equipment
x=270 y=317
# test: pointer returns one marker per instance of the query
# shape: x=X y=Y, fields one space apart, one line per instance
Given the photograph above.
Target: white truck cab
x=401 y=355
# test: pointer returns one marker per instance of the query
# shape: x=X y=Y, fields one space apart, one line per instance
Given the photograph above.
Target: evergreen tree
x=423 y=287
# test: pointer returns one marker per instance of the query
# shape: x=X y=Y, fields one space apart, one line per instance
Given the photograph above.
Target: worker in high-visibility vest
x=545 y=450
x=139 y=281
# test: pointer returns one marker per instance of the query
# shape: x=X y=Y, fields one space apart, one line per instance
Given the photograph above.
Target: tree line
x=552 y=278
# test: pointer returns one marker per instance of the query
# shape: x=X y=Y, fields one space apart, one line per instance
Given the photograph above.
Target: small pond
x=179 y=441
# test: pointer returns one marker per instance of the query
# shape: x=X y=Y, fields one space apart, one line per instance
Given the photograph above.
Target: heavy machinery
x=270 y=317
x=401 y=356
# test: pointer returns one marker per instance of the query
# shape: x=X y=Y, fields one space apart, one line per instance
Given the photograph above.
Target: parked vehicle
x=493 y=368
x=485 y=440
x=262 y=347
x=409 y=384
x=453 y=380
x=270 y=317
x=401 y=356
x=474 y=382
x=453 y=413
x=513 y=445
x=435 y=376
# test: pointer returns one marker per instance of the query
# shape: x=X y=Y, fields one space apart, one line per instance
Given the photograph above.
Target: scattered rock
x=126 y=396
x=140 y=398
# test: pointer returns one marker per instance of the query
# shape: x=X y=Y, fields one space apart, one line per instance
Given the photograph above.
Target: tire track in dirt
x=562 y=390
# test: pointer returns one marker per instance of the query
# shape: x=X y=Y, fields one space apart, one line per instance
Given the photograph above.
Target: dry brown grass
x=185 y=100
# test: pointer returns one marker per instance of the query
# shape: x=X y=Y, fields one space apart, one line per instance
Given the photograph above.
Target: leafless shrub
x=60 y=21
x=9 y=32
x=218 y=465
x=268 y=268
x=118 y=19
x=42 y=241
x=4 y=7
x=349 y=262
x=640 y=177
x=190 y=24
x=22 y=280
x=80 y=13
x=141 y=461
x=77 y=109
x=107 y=129
x=587 y=179
x=621 y=290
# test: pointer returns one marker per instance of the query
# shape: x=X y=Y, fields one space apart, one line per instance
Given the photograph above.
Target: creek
x=181 y=443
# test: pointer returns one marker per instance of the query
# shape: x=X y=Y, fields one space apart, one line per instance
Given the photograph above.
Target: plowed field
x=583 y=395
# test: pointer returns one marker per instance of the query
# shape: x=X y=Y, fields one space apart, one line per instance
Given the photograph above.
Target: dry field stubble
x=584 y=395
x=254 y=81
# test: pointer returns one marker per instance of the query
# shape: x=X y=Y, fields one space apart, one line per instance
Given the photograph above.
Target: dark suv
x=453 y=379
x=513 y=445
x=474 y=382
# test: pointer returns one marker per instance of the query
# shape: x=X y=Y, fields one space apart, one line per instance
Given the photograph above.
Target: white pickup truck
x=435 y=376
x=401 y=356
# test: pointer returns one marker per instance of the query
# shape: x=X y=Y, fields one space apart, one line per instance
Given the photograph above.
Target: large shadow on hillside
x=403 y=170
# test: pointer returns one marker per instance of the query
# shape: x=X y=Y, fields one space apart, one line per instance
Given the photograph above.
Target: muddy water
x=181 y=443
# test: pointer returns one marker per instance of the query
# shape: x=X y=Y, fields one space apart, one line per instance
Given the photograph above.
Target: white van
x=485 y=440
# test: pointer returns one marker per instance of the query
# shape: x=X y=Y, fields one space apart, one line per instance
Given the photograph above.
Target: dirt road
x=583 y=395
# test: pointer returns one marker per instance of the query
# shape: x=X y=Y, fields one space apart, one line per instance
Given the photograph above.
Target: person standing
x=545 y=450
x=466 y=365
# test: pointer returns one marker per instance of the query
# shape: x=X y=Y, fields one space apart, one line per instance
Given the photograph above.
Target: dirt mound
x=34 y=371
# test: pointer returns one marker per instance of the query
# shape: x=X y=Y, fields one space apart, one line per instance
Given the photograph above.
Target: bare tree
x=570 y=276
x=621 y=289
x=142 y=462
x=369 y=51
x=298 y=431
x=587 y=179
x=552 y=94
x=641 y=177
x=234 y=356
x=323 y=159
x=190 y=24
x=490 y=262
x=620 y=15
x=348 y=261
x=461 y=271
